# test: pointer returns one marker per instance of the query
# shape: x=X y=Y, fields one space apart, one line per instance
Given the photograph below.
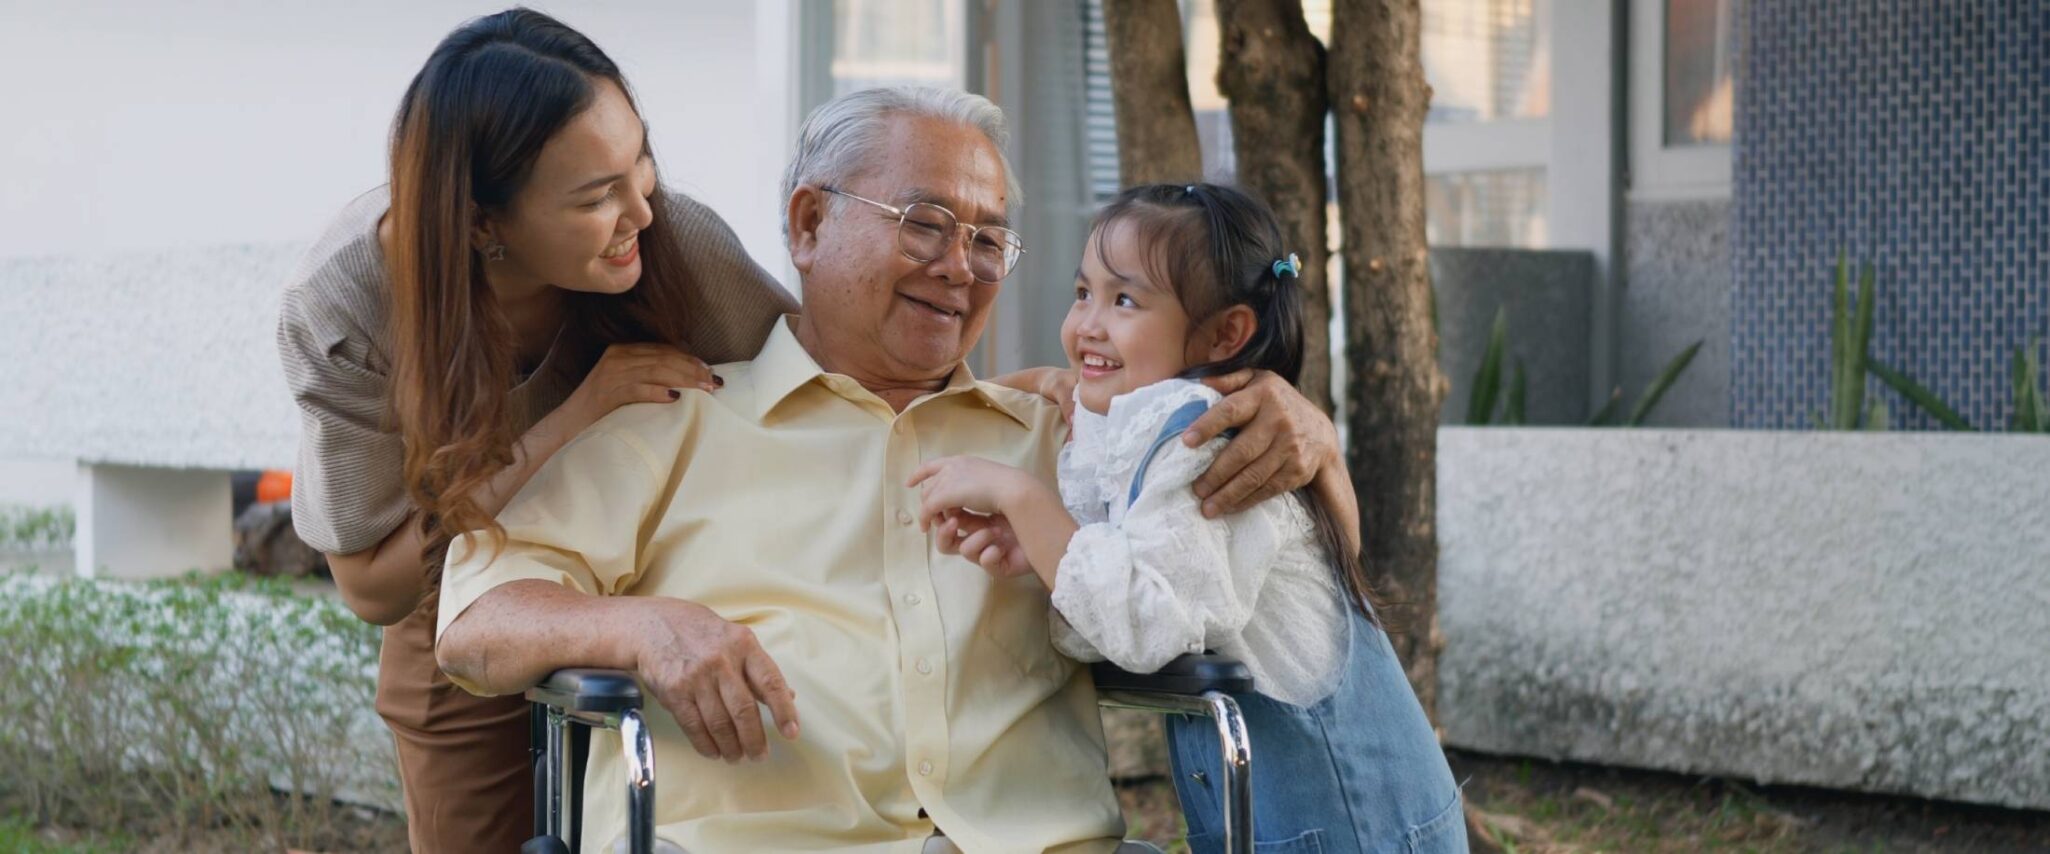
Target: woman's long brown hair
x=468 y=132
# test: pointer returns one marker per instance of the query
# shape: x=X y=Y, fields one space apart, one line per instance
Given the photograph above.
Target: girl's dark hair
x=1217 y=247
x=468 y=133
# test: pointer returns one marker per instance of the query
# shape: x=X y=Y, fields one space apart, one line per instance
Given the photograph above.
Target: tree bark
x=1272 y=70
x=1150 y=92
x=1379 y=98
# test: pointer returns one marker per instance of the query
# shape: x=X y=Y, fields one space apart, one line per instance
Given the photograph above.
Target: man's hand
x=1057 y=385
x=1283 y=441
x=711 y=674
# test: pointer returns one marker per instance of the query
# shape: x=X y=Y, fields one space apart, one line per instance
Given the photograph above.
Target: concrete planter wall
x=1861 y=611
x=1546 y=295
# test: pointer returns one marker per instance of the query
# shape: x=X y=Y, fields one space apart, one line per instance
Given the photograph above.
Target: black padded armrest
x=1189 y=675
x=588 y=689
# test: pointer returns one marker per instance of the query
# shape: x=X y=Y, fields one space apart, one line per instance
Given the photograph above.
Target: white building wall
x=154 y=125
x=166 y=165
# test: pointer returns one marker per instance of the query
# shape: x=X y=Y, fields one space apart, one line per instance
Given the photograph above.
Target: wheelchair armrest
x=588 y=689
x=1188 y=676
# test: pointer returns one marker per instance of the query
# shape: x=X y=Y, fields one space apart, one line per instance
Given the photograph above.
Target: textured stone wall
x=1856 y=611
x=1546 y=297
x=1676 y=291
x=164 y=358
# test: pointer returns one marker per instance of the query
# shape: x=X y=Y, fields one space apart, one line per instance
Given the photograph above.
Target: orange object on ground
x=274 y=485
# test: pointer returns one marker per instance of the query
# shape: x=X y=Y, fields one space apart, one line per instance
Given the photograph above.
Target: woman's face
x=576 y=223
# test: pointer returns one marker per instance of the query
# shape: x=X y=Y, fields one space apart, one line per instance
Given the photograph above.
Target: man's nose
x=952 y=265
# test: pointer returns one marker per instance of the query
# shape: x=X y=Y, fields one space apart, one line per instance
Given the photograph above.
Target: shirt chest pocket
x=1013 y=625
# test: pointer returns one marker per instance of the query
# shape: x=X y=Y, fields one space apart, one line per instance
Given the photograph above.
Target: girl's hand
x=965 y=483
x=988 y=541
x=632 y=373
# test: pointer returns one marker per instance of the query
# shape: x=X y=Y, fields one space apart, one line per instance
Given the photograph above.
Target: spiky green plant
x=2031 y=413
x=1487 y=404
x=1850 y=361
x=1487 y=378
x=1667 y=376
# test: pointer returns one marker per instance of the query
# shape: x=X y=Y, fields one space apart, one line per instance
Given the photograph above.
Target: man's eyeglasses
x=926 y=231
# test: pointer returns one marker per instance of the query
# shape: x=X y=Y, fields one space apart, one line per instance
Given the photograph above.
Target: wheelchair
x=571 y=702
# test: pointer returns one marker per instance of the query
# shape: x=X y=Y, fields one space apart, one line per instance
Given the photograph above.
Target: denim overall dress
x=1358 y=772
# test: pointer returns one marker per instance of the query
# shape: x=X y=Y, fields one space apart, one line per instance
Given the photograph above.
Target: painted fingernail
x=719 y=380
x=675 y=395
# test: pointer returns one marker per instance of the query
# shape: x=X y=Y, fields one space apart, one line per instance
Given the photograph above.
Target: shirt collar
x=783 y=367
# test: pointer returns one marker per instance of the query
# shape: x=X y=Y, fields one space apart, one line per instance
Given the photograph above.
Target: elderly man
x=757 y=546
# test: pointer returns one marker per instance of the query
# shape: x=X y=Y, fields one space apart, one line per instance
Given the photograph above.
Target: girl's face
x=576 y=224
x=1122 y=332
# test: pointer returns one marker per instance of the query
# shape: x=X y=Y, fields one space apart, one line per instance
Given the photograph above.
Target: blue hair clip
x=1289 y=266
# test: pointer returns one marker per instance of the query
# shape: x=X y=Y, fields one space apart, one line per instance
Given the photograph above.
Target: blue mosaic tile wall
x=1915 y=134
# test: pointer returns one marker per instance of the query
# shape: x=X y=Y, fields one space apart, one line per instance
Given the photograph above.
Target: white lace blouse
x=1144 y=583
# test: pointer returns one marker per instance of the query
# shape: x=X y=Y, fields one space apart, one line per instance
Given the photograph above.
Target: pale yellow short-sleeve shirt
x=922 y=683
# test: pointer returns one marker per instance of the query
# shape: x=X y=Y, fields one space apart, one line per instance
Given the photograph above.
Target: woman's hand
x=713 y=676
x=632 y=373
x=1283 y=441
x=988 y=541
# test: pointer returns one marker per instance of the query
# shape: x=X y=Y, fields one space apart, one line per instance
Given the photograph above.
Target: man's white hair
x=840 y=139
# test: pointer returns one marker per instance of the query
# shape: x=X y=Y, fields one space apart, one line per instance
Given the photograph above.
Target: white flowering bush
x=201 y=707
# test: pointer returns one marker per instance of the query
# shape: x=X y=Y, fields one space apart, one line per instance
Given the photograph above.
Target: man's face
x=881 y=315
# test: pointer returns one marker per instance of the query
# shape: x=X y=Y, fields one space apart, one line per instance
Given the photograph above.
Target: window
x=1682 y=98
x=1486 y=60
x=897 y=43
x=1486 y=139
x=1699 y=90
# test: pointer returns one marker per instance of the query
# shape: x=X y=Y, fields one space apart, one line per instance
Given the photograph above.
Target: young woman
x=523 y=274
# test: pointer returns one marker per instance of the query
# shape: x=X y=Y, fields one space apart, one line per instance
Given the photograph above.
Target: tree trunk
x=1378 y=98
x=1150 y=89
x=1272 y=69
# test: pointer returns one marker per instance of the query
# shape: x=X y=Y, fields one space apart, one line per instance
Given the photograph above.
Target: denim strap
x=1176 y=423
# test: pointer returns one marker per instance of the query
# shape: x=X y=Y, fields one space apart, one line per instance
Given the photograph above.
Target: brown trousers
x=469 y=785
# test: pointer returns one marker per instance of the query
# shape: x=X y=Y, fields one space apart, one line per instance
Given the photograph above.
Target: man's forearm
x=518 y=633
x=1333 y=484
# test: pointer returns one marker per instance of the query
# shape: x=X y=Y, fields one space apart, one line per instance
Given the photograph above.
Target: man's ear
x=1224 y=335
x=804 y=214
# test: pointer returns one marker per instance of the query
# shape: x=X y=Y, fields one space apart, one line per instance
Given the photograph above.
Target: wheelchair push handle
x=1186 y=676
x=588 y=689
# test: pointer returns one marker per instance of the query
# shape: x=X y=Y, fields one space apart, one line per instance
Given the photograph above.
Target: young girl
x=1180 y=282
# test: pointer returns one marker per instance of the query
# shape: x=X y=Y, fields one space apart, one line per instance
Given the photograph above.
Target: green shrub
x=36 y=528
x=225 y=709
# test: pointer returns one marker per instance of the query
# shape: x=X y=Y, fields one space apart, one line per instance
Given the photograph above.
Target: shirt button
x=903 y=517
x=924 y=769
x=912 y=599
x=924 y=666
